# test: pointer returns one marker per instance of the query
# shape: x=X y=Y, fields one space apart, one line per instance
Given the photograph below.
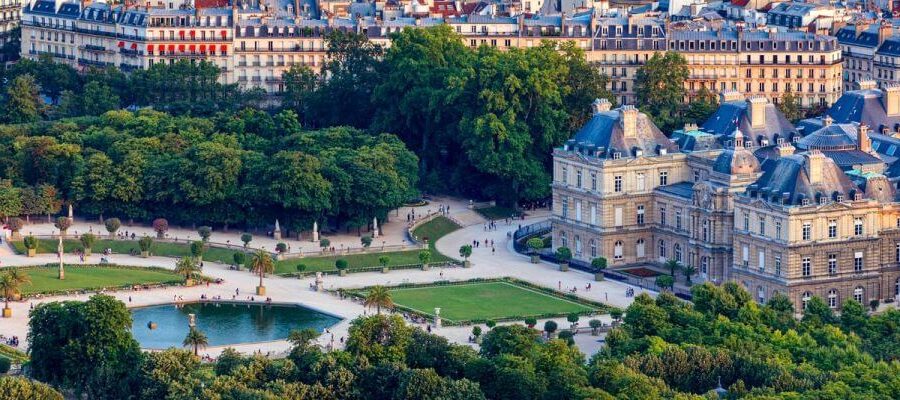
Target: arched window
x=662 y=248
x=677 y=250
x=805 y=299
x=761 y=295
x=832 y=298
x=639 y=248
x=577 y=245
x=617 y=250
x=858 y=294
x=593 y=245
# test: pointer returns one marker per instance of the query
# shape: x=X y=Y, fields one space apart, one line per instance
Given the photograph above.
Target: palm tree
x=262 y=264
x=673 y=265
x=379 y=297
x=196 y=340
x=11 y=285
x=188 y=267
x=688 y=270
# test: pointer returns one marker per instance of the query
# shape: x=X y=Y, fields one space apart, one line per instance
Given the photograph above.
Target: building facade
x=746 y=197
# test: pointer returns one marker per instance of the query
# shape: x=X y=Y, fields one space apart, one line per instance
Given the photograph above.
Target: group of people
x=629 y=292
x=10 y=341
x=476 y=244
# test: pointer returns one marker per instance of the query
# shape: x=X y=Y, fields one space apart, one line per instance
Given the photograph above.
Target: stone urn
x=598 y=276
x=189 y=282
x=426 y=267
x=564 y=266
x=342 y=272
x=467 y=264
x=535 y=259
x=32 y=252
x=385 y=270
x=145 y=253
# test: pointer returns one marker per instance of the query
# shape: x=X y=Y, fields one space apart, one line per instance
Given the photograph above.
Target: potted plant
x=324 y=243
x=616 y=314
x=534 y=244
x=341 y=265
x=10 y=285
x=281 y=248
x=145 y=243
x=568 y=336
x=15 y=225
x=599 y=265
x=665 y=282
x=465 y=251
x=197 y=248
x=161 y=226
x=261 y=264
x=187 y=267
x=688 y=271
x=563 y=255
x=366 y=241
x=239 y=258
x=112 y=226
x=205 y=232
x=530 y=322
x=673 y=265
x=573 y=319
x=550 y=328
x=424 y=258
x=476 y=333
x=300 y=268
x=87 y=240
x=595 y=325
x=246 y=238
x=63 y=224
x=384 y=261
x=31 y=244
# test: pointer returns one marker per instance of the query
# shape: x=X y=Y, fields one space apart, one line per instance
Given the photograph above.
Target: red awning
x=121 y=44
x=134 y=46
x=149 y=47
x=171 y=47
x=192 y=48
x=203 y=48
x=223 y=48
x=224 y=34
x=180 y=47
x=193 y=33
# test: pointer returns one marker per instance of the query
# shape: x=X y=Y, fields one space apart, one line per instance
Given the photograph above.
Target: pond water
x=223 y=323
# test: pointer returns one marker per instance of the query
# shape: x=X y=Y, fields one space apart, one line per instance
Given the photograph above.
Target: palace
x=805 y=211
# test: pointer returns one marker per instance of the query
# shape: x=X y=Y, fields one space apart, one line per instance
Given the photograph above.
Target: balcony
x=95 y=48
x=84 y=61
x=130 y=52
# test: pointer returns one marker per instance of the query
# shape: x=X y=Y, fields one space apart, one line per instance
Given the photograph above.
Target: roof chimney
x=815 y=165
x=862 y=138
x=629 y=121
x=892 y=99
x=885 y=30
x=730 y=95
x=785 y=149
x=860 y=27
x=757 y=108
x=600 y=105
x=827 y=121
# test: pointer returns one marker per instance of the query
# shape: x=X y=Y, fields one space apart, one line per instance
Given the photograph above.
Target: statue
x=71 y=215
x=59 y=250
x=437 y=317
x=192 y=320
x=375 y=227
x=315 y=232
x=319 y=281
x=277 y=232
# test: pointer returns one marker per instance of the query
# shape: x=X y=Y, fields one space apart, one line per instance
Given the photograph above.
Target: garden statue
x=375 y=227
x=315 y=233
x=277 y=232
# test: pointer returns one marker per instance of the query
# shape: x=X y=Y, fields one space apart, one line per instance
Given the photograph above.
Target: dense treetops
x=666 y=348
x=248 y=167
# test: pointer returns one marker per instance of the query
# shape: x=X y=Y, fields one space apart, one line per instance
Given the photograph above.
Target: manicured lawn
x=44 y=279
x=433 y=230
x=483 y=301
x=163 y=249
x=497 y=212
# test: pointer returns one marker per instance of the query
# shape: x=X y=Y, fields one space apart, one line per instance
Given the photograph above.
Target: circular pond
x=223 y=323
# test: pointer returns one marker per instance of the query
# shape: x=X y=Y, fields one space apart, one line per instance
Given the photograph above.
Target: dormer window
x=840 y=198
x=617 y=155
x=804 y=202
x=823 y=200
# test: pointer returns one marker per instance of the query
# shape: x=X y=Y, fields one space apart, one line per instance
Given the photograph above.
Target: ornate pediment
x=835 y=206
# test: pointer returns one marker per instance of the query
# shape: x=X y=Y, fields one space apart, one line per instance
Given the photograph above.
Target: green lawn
x=497 y=212
x=164 y=249
x=484 y=301
x=434 y=230
x=44 y=279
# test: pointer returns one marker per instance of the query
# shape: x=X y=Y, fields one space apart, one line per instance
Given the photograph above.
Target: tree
x=145 y=243
x=161 y=226
x=379 y=296
x=15 y=225
x=66 y=336
x=550 y=327
x=205 y=232
x=659 y=86
x=701 y=107
x=563 y=254
x=23 y=101
x=172 y=373
x=10 y=199
x=112 y=225
x=379 y=338
x=239 y=258
x=17 y=387
x=196 y=340
x=366 y=241
x=534 y=244
x=853 y=317
x=341 y=264
x=790 y=106
x=817 y=313
x=665 y=282
x=300 y=85
x=281 y=247
x=573 y=318
x=688 y=271
x=599 y=263
x=63 y=224
x=197 y=249
x=261 y=263
x=424 y=257
x=384 y=261
x=11 y=283
x=87 y=241
x=465 y=251
x=530 y=322
x=324 y=243
x=187 y=267
x=98 y=98
x=673 y=265
x=246 y=238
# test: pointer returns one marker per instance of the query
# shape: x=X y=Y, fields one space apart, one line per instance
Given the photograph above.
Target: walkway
x=485 y=264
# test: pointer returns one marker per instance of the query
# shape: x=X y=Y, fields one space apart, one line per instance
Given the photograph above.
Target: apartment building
x=871 y=52
x=10 y=14
x=746 y=197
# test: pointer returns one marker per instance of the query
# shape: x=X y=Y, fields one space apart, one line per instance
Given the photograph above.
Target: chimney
x=757 y=109
x=862 y=138
x=885 y=30
x=601 y=105
x=297 y=8
x=866 y=85
x=629 y=121
x=827 y=121
x=815 y=164
x=860 y=27
x=892 y=100
x=730 y=95
x=738 y=139
x=786 y=149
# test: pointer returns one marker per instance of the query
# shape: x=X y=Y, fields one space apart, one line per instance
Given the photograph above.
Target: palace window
x=807 y=231
x=806 y=266
x=832 y=298
x=858 y=261
x=578 y=179
x=858 y=294
x=777 y=265
x=639 y=248
x=565 y=206
x=640 y=214
x=593 y=181
x=593 y=245
x=677 y=250
x=641 y=185
x=777 y=229
x=858 y=226
x=761 y=260
x=617 y=184
x=746 y=222
x=663 y=178
x=832 y=229
x=662 y=221
x=617 y=250
x=804 y=300
x=662 y=248
x=762 y=225
x=832 y=264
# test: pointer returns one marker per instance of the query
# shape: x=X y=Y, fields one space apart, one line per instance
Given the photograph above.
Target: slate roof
x=787 y=178
x=722 y=123
x=604 y=131
x=860 y=106
x=831 y=137
x=680 y=189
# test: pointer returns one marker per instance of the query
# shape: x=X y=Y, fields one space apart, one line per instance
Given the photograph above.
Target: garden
x=486 y=300
x=44 y=280
x=157 y=248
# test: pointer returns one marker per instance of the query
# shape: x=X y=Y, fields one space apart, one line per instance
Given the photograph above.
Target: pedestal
x=276 y=235
x=260 y=290
x=315 y=237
